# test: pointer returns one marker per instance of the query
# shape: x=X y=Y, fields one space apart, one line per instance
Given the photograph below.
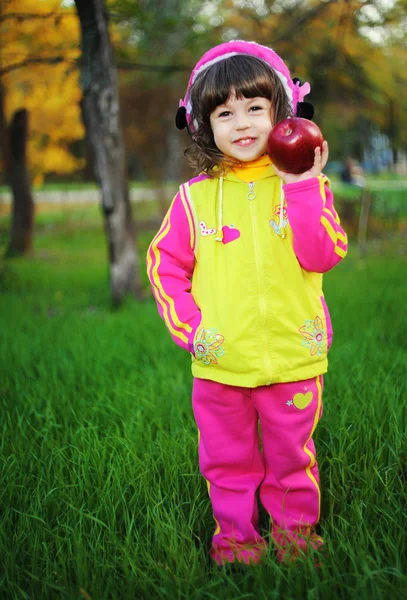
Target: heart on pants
x=230 y=234
x=301 y=401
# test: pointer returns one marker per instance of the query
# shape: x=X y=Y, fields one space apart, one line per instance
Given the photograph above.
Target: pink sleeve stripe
x=342 y=237
x=165 y=302
x=342 y=245
x=153 y=261
x=163 y=223
x=340 y=252
x=188 y=212
x=329 y=213
x=199 y=178
x=334 y=237
x=332 y=212
x=312 y=216
x=328 y=217
x=329 y=228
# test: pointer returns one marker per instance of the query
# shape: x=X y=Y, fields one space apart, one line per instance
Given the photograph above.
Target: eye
x=224 y=113
x=256 y=107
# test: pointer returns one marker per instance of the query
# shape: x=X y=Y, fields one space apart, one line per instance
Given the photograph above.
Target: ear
x=305 y=110
x=181 y=118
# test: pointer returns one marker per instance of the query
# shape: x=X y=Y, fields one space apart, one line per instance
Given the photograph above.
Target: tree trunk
x=4 y=149
x=100 y=109
x=22 y=224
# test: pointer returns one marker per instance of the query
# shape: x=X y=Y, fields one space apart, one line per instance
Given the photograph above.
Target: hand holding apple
x=296 y=147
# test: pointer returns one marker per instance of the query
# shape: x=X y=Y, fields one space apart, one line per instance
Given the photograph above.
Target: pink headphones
x=294 y=90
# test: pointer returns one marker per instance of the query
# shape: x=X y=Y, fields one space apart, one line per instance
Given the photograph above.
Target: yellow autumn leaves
x=49 y=91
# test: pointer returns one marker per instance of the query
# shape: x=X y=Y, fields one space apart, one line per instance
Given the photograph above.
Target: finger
x=279 y=173
x=325 y=154
x=286 y=177
x=317 y=158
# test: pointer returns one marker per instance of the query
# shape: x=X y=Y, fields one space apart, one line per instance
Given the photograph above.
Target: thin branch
x=55 y=15
x=54 y=60
x=26 y=16
x=32 y=61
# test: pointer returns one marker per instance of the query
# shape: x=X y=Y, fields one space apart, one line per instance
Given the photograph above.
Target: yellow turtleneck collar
x=250 y=171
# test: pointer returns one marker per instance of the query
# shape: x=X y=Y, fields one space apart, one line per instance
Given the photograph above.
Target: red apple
x=291 y=144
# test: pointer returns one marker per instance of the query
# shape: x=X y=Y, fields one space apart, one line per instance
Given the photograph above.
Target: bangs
x=246 y=76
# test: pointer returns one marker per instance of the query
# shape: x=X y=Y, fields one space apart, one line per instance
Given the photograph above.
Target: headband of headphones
x=293 y=88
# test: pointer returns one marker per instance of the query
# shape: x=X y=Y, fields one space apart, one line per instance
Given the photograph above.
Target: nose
x=242 y=121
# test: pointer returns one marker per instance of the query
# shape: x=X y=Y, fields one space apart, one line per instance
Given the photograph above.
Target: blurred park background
x=100 y=494
x=88 y=102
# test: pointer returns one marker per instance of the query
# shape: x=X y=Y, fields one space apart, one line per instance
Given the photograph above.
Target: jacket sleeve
x=318 y=238
x=170 y=265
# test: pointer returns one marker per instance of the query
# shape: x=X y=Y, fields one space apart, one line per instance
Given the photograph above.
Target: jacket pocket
x=193 y=336
x=329 y=332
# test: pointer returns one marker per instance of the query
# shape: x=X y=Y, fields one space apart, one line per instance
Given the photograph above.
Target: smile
x=245 y=141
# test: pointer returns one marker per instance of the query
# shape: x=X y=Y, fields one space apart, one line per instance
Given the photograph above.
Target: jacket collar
x=252 y=171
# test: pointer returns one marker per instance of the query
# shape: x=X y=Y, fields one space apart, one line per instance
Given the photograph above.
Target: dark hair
x=247 y=76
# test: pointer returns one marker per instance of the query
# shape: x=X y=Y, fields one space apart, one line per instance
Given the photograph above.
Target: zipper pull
x=252 y=194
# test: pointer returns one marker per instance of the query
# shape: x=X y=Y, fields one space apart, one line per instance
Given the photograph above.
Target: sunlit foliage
x=40 y=49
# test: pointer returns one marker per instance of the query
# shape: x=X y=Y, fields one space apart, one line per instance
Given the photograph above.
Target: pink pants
x=234 y=466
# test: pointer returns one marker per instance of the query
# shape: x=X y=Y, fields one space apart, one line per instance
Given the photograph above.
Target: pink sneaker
x=293 y=545
x=238 y=553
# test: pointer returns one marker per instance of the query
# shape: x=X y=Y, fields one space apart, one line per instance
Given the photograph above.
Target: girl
x=236 y=270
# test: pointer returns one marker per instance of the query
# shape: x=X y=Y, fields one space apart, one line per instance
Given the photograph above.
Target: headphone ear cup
x=305 y=110
x=181 y=118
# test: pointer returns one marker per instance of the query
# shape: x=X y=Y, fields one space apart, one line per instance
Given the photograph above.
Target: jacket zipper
x=263 y=308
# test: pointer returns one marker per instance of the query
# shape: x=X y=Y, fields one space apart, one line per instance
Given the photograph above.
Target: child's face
x=241 y=127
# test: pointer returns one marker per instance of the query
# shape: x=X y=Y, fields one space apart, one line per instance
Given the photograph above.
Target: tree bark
x=22 y=223
x=101 y=115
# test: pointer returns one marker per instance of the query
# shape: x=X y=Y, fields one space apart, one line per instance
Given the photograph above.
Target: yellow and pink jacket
x=236 y=271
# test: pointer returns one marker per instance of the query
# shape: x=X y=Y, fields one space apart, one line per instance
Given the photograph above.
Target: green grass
x=100 y=492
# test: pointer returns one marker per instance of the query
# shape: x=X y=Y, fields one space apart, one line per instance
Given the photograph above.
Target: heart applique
x=301 y=401
x=230 y=234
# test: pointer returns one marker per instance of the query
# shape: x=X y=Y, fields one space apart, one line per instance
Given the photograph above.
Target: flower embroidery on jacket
x=207 y=346
x=276 y=222
x=313 y=332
